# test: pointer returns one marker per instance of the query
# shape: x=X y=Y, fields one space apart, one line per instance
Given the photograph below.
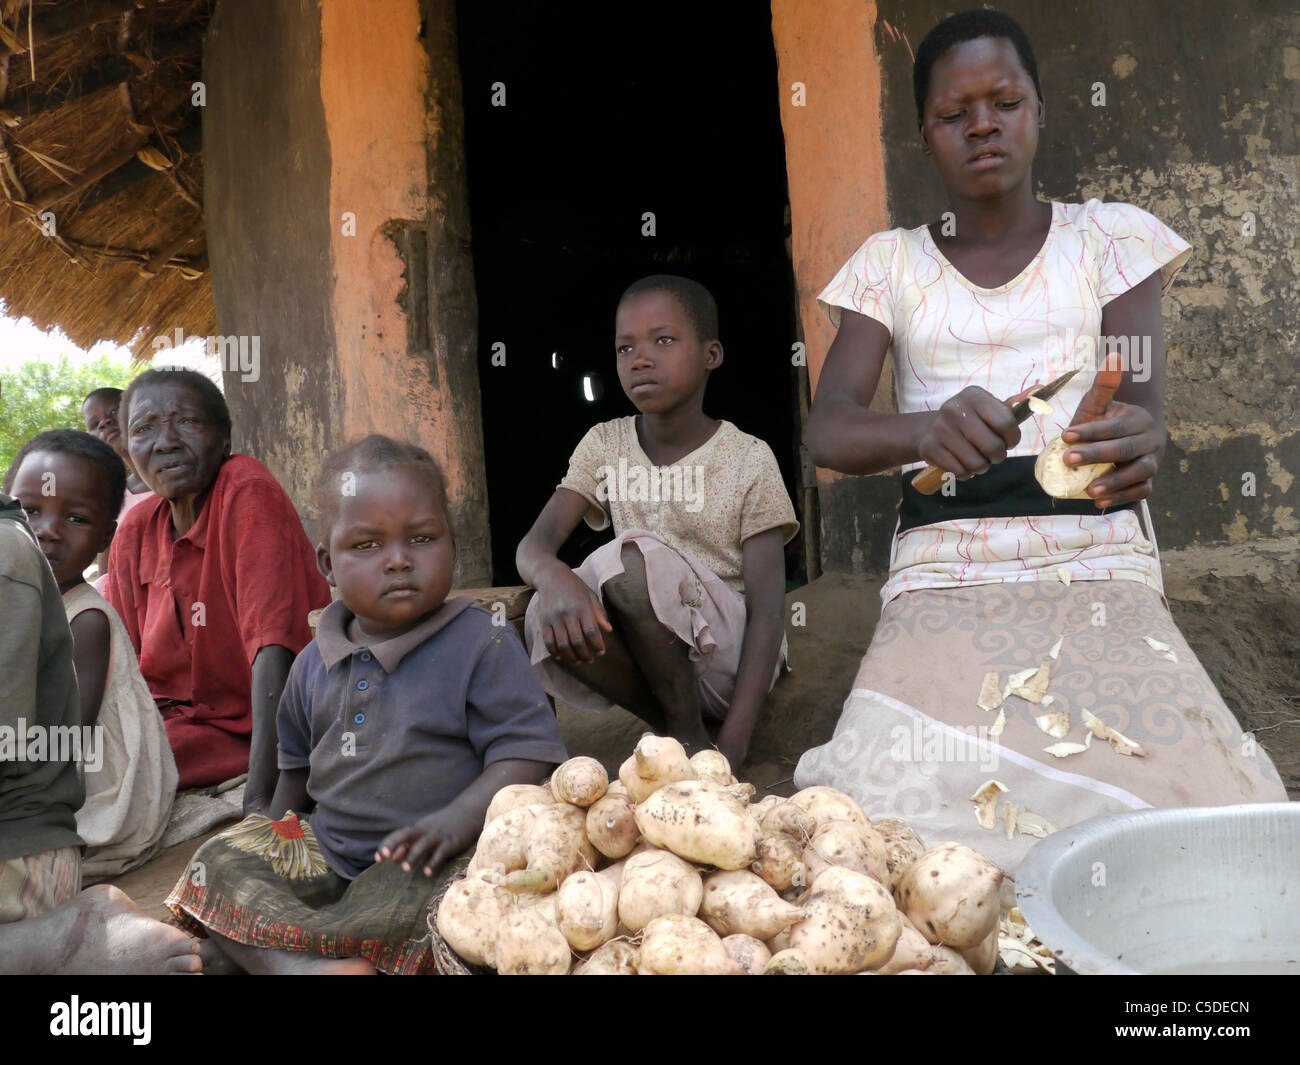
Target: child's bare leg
x=289 y=962
x=99 y=931
x=664 y=660
x=616 y=676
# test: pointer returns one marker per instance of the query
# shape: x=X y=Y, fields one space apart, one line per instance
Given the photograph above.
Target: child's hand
x=1122 y=433
x=431 y=840
x=571 y=618
x=969 y=433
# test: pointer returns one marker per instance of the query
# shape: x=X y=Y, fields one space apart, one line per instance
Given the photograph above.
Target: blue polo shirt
x=394 y=730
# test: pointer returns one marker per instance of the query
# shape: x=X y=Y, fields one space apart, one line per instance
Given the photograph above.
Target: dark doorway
x=667 y=108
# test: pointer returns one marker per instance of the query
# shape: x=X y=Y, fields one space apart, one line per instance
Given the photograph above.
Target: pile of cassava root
x=671 y=870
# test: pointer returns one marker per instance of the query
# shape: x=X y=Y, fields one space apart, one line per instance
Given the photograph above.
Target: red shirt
x=199 y=608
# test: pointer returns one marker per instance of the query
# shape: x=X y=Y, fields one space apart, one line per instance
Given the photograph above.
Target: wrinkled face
x=99 y=413
x=390 y=554
x=66 y=499
x=661 y=360
x=173 y=443
x=981 y=118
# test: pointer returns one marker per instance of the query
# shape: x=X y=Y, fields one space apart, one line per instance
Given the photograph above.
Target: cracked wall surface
x=338 y=220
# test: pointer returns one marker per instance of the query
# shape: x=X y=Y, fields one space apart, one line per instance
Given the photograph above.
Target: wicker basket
x=446 y=962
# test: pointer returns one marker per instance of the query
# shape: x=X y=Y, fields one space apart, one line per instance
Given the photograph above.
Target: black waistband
x=1006 y=490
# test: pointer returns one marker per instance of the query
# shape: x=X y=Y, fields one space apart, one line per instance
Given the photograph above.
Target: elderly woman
x=214 y=581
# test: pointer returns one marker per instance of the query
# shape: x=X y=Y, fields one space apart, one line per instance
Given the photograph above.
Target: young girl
x=71 y=486
x=400 y=721
x=989 y=579
x=46 y=924
x=681 y=615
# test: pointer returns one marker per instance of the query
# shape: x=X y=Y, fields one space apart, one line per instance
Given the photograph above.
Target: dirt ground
x=1240 y=617
x=1239 y=609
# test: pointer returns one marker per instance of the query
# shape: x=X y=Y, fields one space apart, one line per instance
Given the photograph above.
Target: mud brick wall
x=338 y=219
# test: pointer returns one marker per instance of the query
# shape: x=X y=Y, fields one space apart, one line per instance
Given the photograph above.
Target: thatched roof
x=97 y=126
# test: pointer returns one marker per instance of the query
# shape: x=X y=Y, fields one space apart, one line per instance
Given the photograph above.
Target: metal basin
x=1209 y=889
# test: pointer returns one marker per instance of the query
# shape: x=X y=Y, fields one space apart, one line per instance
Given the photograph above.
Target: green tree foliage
x=42 y=394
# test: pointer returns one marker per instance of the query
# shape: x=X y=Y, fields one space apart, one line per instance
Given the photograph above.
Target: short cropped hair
x=83 y=446
x=107 y=390
x=201 y=386
x=958 y=29
x=695 y=299
x=374 y=452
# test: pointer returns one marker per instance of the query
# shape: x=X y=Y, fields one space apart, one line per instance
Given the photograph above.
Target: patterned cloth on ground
x=265 y=883
x=912 y=742
x=37 y=883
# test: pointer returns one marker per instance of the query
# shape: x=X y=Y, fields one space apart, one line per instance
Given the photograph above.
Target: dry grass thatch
x=101 y=177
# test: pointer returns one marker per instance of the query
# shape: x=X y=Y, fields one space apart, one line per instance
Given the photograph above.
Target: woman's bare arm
x=970 y=432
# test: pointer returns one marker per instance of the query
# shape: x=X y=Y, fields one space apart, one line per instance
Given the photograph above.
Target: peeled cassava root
x=713 y=767
x=747 y=952
x=951 y=895
x=580 y=781
x=657 y=882
x=702 y=822
x=902 y=847
x=740 y=902
x=788 y=962
x=556 y=845
x=851 y=845
x=527 y=946
x=586 y=907
x=616 y=958
x=514 y=795
x=656 y=761
x=1061 y=481
x=677 y=945
x=780 y=862
x=850 y=923
x=468 y=916
x=827 y=804
x=611 y=826
x=503 y=844
x=673 y=869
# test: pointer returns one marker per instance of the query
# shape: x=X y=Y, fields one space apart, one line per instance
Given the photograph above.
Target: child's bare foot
x=101 y=931
x=266 y=962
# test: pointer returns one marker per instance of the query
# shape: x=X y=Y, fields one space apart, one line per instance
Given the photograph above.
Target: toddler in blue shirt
x=398 y=724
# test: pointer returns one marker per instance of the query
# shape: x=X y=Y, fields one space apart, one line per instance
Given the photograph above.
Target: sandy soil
x=1247 y=636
